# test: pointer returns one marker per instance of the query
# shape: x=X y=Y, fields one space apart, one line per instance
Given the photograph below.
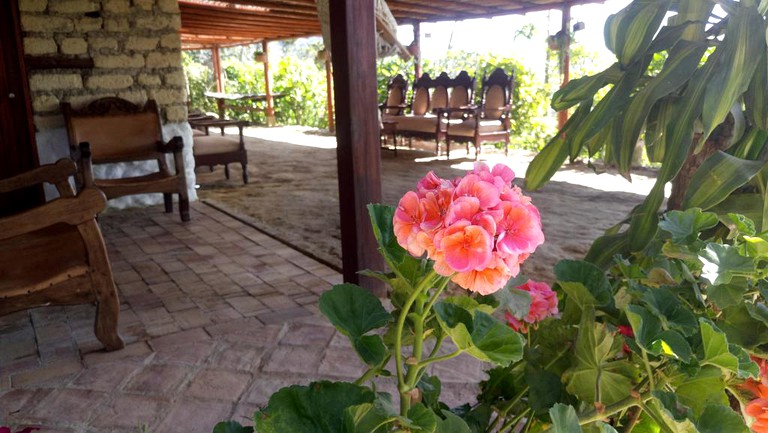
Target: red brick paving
x=216 y=317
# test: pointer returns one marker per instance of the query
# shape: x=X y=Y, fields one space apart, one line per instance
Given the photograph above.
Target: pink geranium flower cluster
x=543 y=305
x=478 y=229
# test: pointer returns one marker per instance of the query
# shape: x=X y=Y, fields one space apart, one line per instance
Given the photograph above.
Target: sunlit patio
x=216 y=317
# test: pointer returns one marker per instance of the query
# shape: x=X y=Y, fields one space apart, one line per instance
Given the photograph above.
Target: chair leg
x=168 y=200
x=104 y=289
x=245 y=173
x=210 y=168
x=226 y=171
x=184 y=206
x=447 y=148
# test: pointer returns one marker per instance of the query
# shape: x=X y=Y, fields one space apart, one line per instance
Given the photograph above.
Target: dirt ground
x=293 y=193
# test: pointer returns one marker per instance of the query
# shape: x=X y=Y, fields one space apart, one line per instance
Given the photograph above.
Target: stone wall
x=136 y=51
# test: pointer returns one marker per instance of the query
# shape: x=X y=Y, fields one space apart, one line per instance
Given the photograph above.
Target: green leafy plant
x=703 y=113
x=662 y=341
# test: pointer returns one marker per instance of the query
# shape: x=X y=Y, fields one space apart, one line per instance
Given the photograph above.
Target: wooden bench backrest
x=115 y=128
x=421 y=98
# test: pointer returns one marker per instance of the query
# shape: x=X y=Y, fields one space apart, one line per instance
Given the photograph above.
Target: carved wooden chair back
x=396 y=89
x=462 y=92
x=421 y=99
x=440 y=87
x=496 y=94
x=115 y=130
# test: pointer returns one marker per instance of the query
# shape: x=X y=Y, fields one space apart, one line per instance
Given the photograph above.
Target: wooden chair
x=211 y=150
x=488 y=122
x=54 y=254
x=120 y=131
x=395 y=104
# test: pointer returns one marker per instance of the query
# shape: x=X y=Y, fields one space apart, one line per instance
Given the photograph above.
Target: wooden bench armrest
x=70 y=210
x=57 y=174
x=174 y=145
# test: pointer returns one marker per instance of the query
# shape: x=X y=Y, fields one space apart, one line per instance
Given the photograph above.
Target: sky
x=497 y=35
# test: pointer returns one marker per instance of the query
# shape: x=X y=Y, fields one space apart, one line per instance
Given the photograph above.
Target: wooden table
x=238 y=102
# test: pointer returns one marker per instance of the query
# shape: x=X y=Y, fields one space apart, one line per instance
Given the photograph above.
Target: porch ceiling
x=232 y=22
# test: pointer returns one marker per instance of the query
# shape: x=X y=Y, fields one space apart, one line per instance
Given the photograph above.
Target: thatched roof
x=231 y=22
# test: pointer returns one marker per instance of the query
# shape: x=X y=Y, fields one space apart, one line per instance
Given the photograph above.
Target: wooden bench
x=117 y=131
x=211 y=150
x=54 y=254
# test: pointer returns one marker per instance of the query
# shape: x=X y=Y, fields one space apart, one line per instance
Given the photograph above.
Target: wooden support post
x=329 y=90
x=417 y=50
x=218 y=78
x=267 y=86
x=357 y=135
x=565 y=66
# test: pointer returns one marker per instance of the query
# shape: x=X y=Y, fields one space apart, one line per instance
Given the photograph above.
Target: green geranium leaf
x=685 y=226
x=595 y=377
x=673 y=407
x=672 y=344
x=422 y=419
x=564 y=419
x=757 y=311
x=578 y=294
x=516 y=301
x=546 y=389
x=430 y=387
x=317 y=408
x=722 y=262
x=599 y=427
x=480 y=334
x=589 y=275
x=355 y=311
x=364 y=418
x=742 y=328
x=700 y=390
x=726 y=295
x=645 y=325
x=757 y=247
x=747 y=367
x=667 y=307
x=742 y=224
x=451 y=424
x=719 y=419
x=231 y=427
x=370 y=348
x=381 y=219
x=494 y=340
x=715 y=346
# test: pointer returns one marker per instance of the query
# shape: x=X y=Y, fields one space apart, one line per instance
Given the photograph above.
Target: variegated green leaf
x=655 y=128
x=581 y=89
x=604 y=248
x=645 y=219
x=552 y=156
x=756 y=97
x=751 y=144
x=683 y=60
x=743 y=38
x=718 y=177
x=612 y=105
x=628 y=33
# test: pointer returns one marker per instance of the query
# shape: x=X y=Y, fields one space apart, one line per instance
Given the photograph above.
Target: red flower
x=627 y=332
x=757 y=408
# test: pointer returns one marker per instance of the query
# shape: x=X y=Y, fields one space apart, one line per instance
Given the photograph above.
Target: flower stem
x=405 y=398
x=428 y=361
x=595 y=415
x=648 y=370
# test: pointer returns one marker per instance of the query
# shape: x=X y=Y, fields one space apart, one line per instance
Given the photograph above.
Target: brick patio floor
x=216 y=317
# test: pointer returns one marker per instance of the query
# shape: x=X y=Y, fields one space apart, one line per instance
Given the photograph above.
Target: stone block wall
x=136 y=51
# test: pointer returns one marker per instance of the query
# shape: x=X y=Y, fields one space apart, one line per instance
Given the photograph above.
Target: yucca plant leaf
x=645 y=220
x=756 y=97
x=552 y=156
x=604 y=248
x=581 y=89
x=613 y=104
x=717 y=178
x=751 y=145
x=683 y=60
x=628 y=33
x=655 y=128
x=748 y=204
x=736 y=66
